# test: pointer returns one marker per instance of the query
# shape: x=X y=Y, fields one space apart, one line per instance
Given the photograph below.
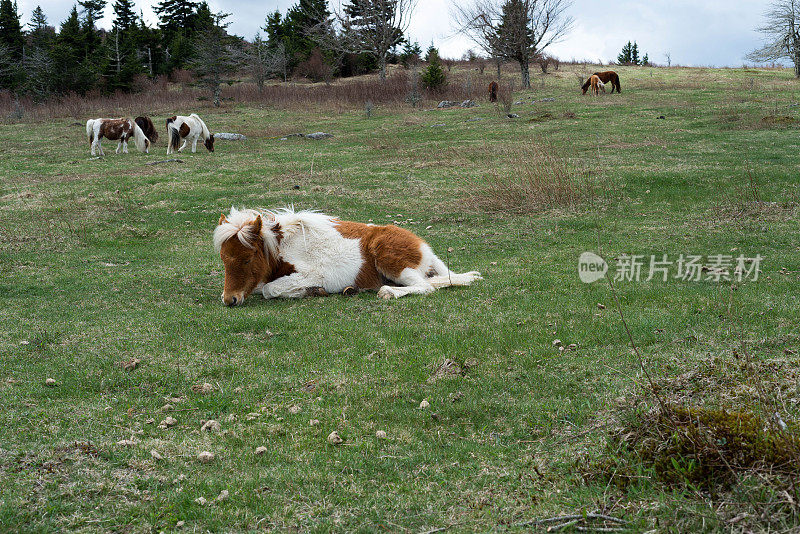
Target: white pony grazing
x=188 y=128
x=116 y=130
x=291 y=254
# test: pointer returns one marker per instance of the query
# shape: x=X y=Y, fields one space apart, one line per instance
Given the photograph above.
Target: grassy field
x=107 y=260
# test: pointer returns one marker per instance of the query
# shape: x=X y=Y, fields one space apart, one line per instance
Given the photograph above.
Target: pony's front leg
x=119 y=145
x=294 y=286
x=194 y=145
x=183 y=145
x=125 y=147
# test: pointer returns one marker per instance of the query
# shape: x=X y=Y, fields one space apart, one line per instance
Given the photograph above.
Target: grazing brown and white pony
x=115 y=130
x=494 y=87
x=189 y=128
x=147 y=127
x=596 y=85
x=608 y=76
x=292 y=254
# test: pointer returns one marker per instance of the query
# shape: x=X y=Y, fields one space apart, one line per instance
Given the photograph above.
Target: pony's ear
x=222 y=219
x=257 y=225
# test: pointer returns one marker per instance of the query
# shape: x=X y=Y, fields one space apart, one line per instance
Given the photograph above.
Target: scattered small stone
x=470 y=363
x=156 y=455
x=166 y=408
x=446 y=104
x=556 y=342
x=437 y=125
x=126 y=443
x=428 y=227
x=131 y=364
x=261 y=451
x=203 y=388
x=295 y=409
x=475 y=119
x=231 y=418
x=661 y=117
x=457 y=396
x=334 y=438
x=223 y=496
x=211 y=426
x=468 y=104
x=513 y=116
x=253 y=415
x=238 y=389
x=572 y=346
x=313 y=422
x=424 y=405
x=168 y=422
x=601 y=306
x=50 y=382
x=435 y=416
x=380 y=434
x=179 y=524
x=205 y=457
x=492 y=263
x=150 y=421
x=547 y=100
x=319 y=135
x=201 y=501
x=519 y=103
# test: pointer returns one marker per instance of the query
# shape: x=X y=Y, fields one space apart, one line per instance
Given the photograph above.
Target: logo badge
x=591 y=267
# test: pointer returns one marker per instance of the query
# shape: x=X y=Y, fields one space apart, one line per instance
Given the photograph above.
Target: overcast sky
x=694 y=32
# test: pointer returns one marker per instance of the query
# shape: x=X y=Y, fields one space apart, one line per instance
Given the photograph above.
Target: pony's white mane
x=239 y=224
x=206 y=133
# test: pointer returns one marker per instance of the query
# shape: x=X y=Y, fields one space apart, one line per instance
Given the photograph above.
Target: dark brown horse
x=147 y=127
x=494 y=87
x=608 y=76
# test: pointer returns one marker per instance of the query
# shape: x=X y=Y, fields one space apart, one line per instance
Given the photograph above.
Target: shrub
x=315 y=68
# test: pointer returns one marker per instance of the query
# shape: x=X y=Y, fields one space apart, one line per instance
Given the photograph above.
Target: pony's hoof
x=386 y=293
x=316 y=292
x=349 y=291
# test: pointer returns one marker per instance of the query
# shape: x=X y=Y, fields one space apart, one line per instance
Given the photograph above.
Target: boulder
x=230 y=136
x=319 y=135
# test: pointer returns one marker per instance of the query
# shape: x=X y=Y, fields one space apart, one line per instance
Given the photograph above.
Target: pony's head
x=209 y=143
x=585 y=86
x=248 y=248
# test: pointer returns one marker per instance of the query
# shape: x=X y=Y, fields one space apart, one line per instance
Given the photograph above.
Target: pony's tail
x=90 y=130
x=619 y=87
x=174 y=138
x=141 y=140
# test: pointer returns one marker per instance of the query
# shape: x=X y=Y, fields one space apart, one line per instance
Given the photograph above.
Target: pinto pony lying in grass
x=293 y=254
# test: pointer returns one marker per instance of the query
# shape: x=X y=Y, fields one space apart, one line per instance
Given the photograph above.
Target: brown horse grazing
x=147 y=127
x=608 y=76
x=494 y=87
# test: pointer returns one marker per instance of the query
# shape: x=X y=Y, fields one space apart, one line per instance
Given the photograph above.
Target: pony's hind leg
x=125 y=146
x=413 y=283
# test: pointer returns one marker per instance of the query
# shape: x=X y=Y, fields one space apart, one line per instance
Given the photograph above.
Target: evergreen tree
x=40 y=34
x=11 y=29
x=124 y=16
x=178 y=20
x=433 y=76
x=635 y=54
x=624 y=57
x=38 y=62
x=71 y=68
x=215 y=56
x=645 y=60
x=411 y=53
x=122 y=48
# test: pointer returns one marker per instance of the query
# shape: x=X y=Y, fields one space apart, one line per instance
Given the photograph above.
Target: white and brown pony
x=189 y=128
x=147 y=127
x=597 y=84
x=289 y=254
x=116 y=130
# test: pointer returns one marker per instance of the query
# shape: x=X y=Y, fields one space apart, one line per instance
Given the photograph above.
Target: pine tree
x=514 y=39
x=175 y=15
x=433 y=76
x=645 y=60
x=635 y=54
x=11 y=29
x=40 y=34
x=124 y=15
x=71 y=68
x=624 y=57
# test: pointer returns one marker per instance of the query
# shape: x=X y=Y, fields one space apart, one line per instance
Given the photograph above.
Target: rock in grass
x=313 y=422
x=50 y=382
x=294 y=410
x=318 y=135
x=156 y=455
x=261 y=451
x=227 y=136
x=556 y=342
x=601 y=306
x=380 y=434
x=201 y=501
x=223 y=496
x=126 y=443
x=203 y=388
x=334 y=438
x=211 y=426
x=424 y=405
x=166 y=408
x=131 y=364
x=205 y=457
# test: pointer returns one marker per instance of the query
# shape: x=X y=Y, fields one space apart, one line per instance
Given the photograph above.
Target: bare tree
x=366 y=27
x=514 y=30
x=782 y=32
x=216 y=58
x=265 y=61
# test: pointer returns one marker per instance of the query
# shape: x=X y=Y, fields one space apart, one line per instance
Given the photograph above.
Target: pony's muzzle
x=232 y=300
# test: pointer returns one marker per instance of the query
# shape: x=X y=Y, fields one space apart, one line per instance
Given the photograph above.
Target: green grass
x=106 y=260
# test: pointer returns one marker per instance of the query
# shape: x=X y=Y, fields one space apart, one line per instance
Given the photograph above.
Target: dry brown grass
x=531 y=178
